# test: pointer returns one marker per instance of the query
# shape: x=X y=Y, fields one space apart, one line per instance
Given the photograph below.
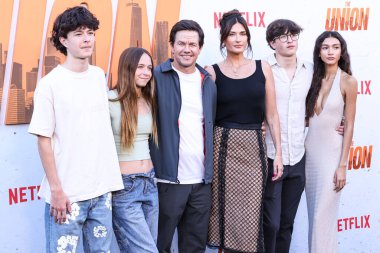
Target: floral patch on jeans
x=75 y=209
x=100 y=231
x=67 y=244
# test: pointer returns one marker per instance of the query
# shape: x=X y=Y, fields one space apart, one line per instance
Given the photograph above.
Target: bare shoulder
x=348 y=81
x=266 y=67
x=211 y=71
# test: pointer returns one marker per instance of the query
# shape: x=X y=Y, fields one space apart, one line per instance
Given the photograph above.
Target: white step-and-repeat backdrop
x=26 y=55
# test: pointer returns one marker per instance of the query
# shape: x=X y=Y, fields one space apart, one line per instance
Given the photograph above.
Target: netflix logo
x=23 y=194
x=350 y=223
x=253 y=18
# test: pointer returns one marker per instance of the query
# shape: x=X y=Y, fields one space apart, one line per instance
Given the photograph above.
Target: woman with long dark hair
x=245 y=98
x=133 y=117
x=331 y=101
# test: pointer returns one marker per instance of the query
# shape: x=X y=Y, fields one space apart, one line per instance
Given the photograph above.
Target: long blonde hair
x=127 y=95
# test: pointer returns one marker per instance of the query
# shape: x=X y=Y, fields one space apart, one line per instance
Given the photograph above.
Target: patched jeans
x=135 y=213
x=91 y=219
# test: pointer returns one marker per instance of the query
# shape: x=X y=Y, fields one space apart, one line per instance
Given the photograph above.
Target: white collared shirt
x=290 y=97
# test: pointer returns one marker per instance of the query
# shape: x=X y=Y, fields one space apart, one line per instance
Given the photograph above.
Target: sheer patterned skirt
x=240 y=172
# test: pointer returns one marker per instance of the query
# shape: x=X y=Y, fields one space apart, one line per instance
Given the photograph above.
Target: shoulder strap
x=258 y=64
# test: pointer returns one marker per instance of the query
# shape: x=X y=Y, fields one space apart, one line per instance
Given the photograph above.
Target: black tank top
x=240 y=102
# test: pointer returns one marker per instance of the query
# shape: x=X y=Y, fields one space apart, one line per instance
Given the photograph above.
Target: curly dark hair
x=69 y=21
x=279 y=27
x=228 y=20
x=320 y=70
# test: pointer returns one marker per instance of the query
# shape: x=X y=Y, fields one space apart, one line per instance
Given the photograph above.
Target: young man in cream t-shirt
x=75 y=141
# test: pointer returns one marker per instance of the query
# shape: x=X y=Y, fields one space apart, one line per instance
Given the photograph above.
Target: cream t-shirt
x=72 y=109
x=191 y=168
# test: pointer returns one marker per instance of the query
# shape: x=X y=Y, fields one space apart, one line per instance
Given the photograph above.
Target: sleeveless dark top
x=240 y=102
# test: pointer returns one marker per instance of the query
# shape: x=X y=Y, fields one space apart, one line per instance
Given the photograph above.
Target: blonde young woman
x=133 y=110
x=332 y=96
x=245 y=98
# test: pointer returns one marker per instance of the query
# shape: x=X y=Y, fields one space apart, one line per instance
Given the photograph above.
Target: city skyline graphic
x=131 y=29
x=2 y=71
x=5 y=26
x=25 y=62
x=132 y=23
x=167 y=14
x=24 y=66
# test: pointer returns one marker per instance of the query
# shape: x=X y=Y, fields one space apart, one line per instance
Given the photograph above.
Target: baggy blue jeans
x=91 y=219
x=135 y=213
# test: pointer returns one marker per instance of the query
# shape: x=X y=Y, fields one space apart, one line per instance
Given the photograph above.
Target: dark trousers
x=186 y=207
x=281 y=200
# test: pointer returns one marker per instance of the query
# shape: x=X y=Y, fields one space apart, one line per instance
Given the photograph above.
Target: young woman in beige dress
x=331 y=101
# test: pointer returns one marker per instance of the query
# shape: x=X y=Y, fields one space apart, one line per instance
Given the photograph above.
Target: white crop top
x=140 y=150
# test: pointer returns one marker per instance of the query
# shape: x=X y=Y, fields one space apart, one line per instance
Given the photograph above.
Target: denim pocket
x=128 y=186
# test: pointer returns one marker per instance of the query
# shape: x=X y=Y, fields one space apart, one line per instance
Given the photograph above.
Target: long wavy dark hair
x=127 y=95
x=320 y=70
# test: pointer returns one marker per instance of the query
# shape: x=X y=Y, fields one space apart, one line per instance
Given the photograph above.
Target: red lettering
x=13 y=196
x=217 y=17
x=365 y=84
x=361 y=88
x=356 y=222
x=340 y=225
x=31 y=188
x=367 y=90
x=352 y=222
x=257 y=17
x=38 y=189
x=247 y=19
x=20 y=195
x=366 y=225
x=345 y=223
x=261 y=16
x=23 y=194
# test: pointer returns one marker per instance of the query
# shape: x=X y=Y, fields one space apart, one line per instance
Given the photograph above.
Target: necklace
x=235 y=70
